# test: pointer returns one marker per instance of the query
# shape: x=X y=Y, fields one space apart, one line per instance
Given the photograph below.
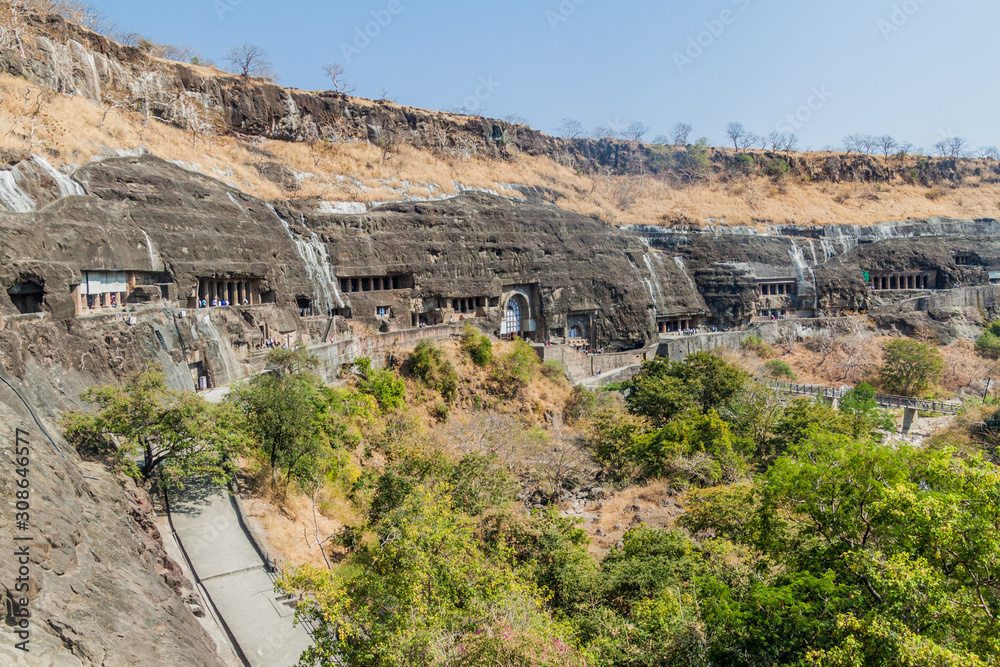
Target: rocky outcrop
x=70 y=59
x=101 y=588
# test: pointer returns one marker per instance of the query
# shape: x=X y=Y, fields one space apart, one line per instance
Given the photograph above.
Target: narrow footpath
x=228 y=568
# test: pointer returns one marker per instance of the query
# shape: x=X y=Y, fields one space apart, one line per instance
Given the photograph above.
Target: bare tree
x=563 y=463
x=988 y=153
x=250 y=60
x=338 y=78
x=886 y=144
x=571 y=129
x=112 y=100
x=852 y=143
x=12 y=25
x=736 y=133
x=868 y=144
x=387 y=139
x=953 y=147
x=605 y=132
x=197 y=117
x=81 y=13
x=782 y=141
x=680 y=134
x=748 y=140
x=636 y=131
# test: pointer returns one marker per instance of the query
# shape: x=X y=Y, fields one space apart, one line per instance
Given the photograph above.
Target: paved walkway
x=230 y=570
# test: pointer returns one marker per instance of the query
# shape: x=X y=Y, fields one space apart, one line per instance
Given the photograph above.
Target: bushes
x=988 y=345
x=554 y=370
x=780 y=370
x=757 y=345
x=513 y=371
x=477 y=346
x=382 y=384
x=429 y=365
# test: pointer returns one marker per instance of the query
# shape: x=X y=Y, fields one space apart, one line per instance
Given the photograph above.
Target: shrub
x=757 y=345
x=988 y=345
x=442 y=412
x=554 y=370
x=382 y=384
x=513 y=371
x=584 y=403
x=477 y=346
x=428 y=364
x=780 y=370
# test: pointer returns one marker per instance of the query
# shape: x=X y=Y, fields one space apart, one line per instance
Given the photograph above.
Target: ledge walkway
x=235 y=576
x=884 y=400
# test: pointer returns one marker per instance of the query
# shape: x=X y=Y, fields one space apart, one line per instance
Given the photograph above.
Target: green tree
x=177 y=434
x=429 y=364
x=988 y=345
x=693 y=447
x=512 y=372
x=664 y=389
x=865 y=418
x=910 y=534
x=423 y=592
x=283 y=410
x=910 y=367
x=477 y=346
x=780 y=370
x=614 y=435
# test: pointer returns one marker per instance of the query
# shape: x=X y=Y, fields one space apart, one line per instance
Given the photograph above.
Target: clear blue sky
x=917 y=69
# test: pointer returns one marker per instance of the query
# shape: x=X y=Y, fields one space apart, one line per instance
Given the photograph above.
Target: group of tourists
x=216 y=303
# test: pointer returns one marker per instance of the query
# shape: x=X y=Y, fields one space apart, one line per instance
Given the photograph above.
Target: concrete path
x=232 y=573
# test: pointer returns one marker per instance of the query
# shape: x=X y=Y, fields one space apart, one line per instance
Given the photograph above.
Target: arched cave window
x=512 y=318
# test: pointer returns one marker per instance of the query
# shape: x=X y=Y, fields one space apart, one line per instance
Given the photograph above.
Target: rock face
x=73 y=60
x=102 y=591
x=466 y=258
x=824 y=269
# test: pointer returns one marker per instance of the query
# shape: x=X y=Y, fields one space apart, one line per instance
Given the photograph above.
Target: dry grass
x=657 y=504
x=68 y=130
x=836 y=361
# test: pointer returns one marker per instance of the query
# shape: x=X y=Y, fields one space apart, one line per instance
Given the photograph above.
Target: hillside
x=74 y=95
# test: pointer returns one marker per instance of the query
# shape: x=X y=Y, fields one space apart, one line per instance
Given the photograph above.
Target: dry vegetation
x=71 y=130
x=520 y=432
x=854 y=355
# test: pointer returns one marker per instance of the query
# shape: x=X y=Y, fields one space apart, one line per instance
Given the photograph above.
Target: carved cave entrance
x=515 y=315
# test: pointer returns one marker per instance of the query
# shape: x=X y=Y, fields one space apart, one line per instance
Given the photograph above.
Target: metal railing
x=883 y=400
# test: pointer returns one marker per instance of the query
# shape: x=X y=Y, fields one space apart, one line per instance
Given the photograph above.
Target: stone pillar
x=909 y=419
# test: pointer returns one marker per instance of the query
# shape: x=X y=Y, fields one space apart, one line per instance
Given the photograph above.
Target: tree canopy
x=175 y=434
